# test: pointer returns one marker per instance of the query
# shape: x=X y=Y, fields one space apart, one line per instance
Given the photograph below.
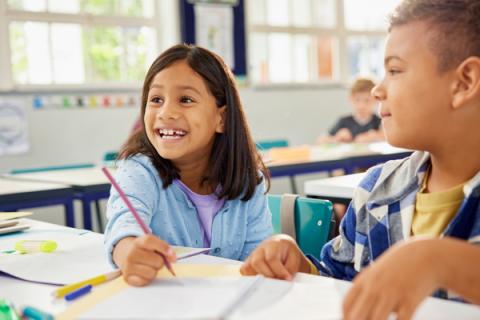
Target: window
x=316 y=41
x=78 y=42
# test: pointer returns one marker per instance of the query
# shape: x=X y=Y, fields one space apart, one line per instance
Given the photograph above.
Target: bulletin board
x=218 y=26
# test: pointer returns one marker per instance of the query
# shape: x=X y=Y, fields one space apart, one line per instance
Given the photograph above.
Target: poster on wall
x=214 y=29
x=13 y=127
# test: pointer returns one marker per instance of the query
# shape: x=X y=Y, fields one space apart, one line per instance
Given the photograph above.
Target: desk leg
x=69 y=214
x=87 y=213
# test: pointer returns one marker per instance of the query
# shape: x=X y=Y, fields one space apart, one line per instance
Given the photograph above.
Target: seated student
x=363 y=125
x=192 y=171
x=430 y=101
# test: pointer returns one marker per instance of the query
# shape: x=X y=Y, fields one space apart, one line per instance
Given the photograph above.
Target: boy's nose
x=378 y=92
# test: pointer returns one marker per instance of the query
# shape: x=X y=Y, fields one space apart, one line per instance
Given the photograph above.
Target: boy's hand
x=343 y=135
x=277 y=257
x=139 y=260
x=397 y=282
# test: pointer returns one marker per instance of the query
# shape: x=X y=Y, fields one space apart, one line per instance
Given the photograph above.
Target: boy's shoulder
x=393 y=178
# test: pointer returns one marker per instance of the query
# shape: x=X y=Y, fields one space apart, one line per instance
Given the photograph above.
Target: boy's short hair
x=362 y=85
x=454 y=27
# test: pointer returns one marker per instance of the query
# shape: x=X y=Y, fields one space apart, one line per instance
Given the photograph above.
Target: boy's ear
x=221 y=123
x=467 y=82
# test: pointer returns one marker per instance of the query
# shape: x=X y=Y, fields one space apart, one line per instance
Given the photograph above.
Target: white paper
x=214 y=29
x=13 y=127
x=275 y=299
x=178 y=298
x=80 y=255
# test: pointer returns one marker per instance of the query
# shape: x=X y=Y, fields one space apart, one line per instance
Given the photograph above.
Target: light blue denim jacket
x=238 y=228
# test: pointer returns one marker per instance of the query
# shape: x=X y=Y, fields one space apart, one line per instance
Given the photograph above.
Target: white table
x=39 y=295
x=336 y=189
x=89 y=185
x=20 y=194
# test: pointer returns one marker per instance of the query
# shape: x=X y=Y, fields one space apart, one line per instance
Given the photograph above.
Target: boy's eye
x=186 y=99
x=393 y=72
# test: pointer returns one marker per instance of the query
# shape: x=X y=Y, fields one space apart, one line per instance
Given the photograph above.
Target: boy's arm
x=410 y=271
x=337 y=256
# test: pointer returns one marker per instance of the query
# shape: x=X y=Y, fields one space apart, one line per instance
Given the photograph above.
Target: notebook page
x=175 y=298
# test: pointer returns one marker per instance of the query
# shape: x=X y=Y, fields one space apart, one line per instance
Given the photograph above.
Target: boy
x=363 y=125
x=430 y=101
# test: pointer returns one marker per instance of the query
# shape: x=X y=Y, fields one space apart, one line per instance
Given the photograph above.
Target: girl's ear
x=221 y=112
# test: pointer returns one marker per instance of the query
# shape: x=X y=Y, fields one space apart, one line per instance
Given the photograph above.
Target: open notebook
x=212 y=297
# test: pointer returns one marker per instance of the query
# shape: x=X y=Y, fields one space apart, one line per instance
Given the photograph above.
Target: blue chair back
x=265 y=145
x=313 y=219
x=52 y=168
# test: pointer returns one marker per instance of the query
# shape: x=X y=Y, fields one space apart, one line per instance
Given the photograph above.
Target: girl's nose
x=168 y=111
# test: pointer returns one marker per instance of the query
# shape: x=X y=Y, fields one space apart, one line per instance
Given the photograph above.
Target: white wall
x=83 y=135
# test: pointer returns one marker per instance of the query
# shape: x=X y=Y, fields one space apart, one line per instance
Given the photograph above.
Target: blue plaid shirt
x=381 y=213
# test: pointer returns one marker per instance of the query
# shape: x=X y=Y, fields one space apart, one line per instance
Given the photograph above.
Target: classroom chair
x=265 y=145
x=110 y=156
x=98 y=212
x=308 y=220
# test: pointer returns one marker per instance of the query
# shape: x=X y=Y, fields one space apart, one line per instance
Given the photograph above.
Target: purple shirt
x=207 y=207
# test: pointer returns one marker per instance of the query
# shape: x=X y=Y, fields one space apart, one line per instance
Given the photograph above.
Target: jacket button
x=217 y=250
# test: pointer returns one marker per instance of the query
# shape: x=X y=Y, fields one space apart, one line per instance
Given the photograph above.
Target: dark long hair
x=234 y=162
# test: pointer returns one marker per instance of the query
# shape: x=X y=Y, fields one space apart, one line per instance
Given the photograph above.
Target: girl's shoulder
x=258 y=195
x=138 y=162
x=137 y=167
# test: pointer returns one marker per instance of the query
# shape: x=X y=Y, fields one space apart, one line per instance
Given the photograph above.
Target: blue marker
x=35 y=314
x=78 y=293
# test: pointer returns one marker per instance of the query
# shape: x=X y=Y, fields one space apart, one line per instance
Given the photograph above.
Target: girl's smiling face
x=181 y=116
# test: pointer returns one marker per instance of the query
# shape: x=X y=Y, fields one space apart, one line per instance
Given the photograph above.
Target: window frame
x=340 y=55
x=166 y=35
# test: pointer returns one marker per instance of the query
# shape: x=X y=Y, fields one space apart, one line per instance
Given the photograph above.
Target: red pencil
x=135 y=214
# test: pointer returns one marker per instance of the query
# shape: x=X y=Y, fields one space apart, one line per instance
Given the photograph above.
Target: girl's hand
x=277 y=257
x=397 y=282
x=139 y=258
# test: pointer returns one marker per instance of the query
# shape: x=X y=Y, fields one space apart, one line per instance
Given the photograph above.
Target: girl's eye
x=186 y=99
x=156 y=100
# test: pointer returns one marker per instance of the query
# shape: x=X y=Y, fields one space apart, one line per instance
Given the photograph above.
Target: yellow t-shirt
x=434 y=211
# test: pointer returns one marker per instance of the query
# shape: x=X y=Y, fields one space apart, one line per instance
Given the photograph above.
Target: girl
x=192 y=171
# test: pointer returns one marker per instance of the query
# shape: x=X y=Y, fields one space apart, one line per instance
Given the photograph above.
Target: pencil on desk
x=135 y=215
x=60 y=292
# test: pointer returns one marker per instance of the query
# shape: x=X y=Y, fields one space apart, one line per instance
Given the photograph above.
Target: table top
x=335 y=187
x=81 y=177
x=23 y=293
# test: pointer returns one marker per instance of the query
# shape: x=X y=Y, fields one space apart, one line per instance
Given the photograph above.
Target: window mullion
x=80 y=18
x=342 y=63
x=6 y=80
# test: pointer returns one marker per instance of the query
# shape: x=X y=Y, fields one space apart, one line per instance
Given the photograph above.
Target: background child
x=192 y=171
x=363 y=125
x=430 y=101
